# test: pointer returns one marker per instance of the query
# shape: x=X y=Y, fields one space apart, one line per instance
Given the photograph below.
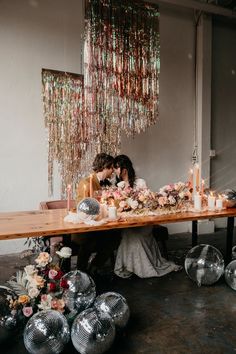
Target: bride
x=138 y=252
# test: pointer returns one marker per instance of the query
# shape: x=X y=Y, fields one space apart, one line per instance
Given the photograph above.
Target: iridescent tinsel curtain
x=121 y=57
x=67 y=130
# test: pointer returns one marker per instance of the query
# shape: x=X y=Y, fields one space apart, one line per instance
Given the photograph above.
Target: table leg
x=229 y=238
x=194 y=233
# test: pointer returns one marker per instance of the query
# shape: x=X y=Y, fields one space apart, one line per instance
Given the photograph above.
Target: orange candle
x=68 y=196
x=91 y=186
x=85 y=190
x=203 y=183
x=190 y=178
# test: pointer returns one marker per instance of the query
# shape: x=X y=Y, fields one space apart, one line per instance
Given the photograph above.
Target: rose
x=43 y=259
x=38 y=281
x=23 y=299
x=64 y=284
x=59 y=275
x=33 y=292
x=65 y=252
x=27 y=311
x=51 y=287
x=52 y=273
x=58 y=304
x=30 y=270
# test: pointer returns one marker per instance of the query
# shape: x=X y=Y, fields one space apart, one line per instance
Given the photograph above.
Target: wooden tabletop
x=51 y=222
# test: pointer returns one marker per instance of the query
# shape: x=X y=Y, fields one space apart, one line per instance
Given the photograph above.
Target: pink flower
x=27 y=311
x=52 y=273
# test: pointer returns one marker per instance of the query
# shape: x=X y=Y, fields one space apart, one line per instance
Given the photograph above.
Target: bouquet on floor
x=40 y=286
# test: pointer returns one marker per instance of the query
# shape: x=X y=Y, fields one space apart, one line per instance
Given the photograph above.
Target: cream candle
x=112 y=212
x=197 y=202
x=85 y=190
x=211 y=202
x=103 y=210
x=203 y=185
x=219 y=203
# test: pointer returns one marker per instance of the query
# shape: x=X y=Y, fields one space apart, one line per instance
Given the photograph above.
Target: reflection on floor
x=169 y=315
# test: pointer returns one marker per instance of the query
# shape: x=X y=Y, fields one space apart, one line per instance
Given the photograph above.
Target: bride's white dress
x=139 y=254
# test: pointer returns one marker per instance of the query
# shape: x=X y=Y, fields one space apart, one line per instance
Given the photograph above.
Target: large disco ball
x=204 y=264
x=88 y=209
x=230 y=274
x=92 y=332
x=9 y=318
x=116 y=306
x=81 y=291
x=46 y=332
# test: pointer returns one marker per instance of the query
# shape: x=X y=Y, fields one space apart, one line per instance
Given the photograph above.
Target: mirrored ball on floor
x=46 y=332
x=116 y=306
x=81 y=291
x=92 y=332
x=230 y=274
x=204 y=264
x=9 y=318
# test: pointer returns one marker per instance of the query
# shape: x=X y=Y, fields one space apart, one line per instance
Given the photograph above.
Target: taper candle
x=91 y=186
x=68 y=189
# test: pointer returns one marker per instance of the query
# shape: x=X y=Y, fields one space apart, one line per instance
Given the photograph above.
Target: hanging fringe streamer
x=67 y=130
x=121 y=56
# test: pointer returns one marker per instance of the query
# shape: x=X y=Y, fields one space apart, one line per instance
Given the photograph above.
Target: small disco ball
x=9 y=318
x=230 y=274
x=46 y=332
x=81 y=291
x=204 y=264
x=92 y=332
x=116 y=306
x=88 y=209
x=230 y=196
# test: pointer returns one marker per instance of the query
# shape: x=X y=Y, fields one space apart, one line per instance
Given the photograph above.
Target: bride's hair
x=124 y=162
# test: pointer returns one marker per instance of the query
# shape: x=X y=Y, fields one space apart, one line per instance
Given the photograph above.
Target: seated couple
x=138 y=252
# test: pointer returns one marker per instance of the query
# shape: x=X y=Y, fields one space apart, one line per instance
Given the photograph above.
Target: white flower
x=182 y=195
x=133 y=203
x=121 y=184
x=43 y=259
x=46 y=301
x=33 y=292
x=30 y=270
x=65 y=252
x=172 y=200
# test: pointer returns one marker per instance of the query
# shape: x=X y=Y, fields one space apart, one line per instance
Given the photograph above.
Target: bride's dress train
x=139 y=254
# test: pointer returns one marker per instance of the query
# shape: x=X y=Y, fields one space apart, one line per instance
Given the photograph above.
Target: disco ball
x=230 y=196
x=81 y=291
x=88 y=209
x=92 y=332
x=116 y=306
x=204 y=264
x=46 y=332
x=230 y=274
x=9 y=318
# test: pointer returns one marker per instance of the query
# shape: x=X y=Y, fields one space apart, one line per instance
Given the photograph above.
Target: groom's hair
x=102 y=161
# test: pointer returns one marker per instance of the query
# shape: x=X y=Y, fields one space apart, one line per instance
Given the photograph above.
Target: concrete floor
x=169 y=315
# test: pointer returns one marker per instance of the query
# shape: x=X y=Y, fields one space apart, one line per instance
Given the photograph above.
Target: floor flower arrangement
x=40 y=286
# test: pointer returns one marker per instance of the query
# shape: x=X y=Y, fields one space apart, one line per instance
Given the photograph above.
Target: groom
x=103 y=243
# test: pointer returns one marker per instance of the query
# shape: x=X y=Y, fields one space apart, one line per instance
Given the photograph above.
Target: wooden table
x=15 y=225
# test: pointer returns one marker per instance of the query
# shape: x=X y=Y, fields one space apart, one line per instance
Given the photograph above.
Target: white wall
x=33 y=35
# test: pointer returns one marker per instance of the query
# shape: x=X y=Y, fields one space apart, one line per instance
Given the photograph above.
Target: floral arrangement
x=174 y=195
x=140 y=200
x=129 y=199
x=40 y=286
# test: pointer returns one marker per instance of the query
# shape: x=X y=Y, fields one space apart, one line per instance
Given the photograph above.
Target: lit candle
x=103 y=210
x=196 y=179
x=219 y=202
x=68 y=196
x=190 y=178
x=197 y=202
x=112 y=212
x=91 y=186
x=211 y=201
x=203 y=183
